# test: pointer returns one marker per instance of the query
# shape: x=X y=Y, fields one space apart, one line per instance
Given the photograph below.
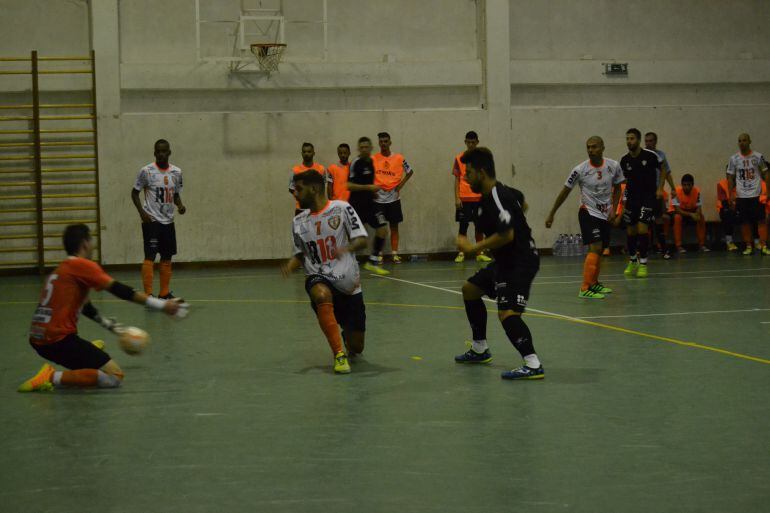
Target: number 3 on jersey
x=322 y=250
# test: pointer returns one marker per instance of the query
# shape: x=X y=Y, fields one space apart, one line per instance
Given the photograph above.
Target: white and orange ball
x=133 y=340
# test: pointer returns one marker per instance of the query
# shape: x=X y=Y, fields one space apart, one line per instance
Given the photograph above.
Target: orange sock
x=165 y=277
x=329 y=326
x=147 y=271
x=394 y=239
x=762 y=229
x=80 y=378
x=678 y=230
x=590 y=270
x=746 y=231
x=479 y=236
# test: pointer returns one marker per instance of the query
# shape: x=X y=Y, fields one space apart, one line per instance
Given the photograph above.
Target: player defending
x=745 y=172
x=466 y=201
x=54 y=333
x=599 y=181
x=509 y=277
x=643 y=191
x=326 y=236
x=391 y=174
x=162 y=185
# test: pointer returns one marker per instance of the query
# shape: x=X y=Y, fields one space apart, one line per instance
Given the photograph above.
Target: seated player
x=54 y=333
x=687 y=207
x=326 y=235
x=726 y=210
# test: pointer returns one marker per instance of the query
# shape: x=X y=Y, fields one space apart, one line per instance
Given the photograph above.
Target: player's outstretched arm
x=556 y=204
x=90 y=311
x=126 y=293
x=291 y=265
x=179 y=205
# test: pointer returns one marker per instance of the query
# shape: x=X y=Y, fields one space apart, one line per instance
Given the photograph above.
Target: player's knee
x=165 y=258
x=150 y=255
x=596 y=247
x=504 y=314
x=471 y=291
x=321 y=294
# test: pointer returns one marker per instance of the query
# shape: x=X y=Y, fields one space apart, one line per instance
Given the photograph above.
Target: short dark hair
x=634 y=131
x=363 y=138
x=688 y=178
x=473 y=136
x=480 y=158
x=310 y=177
x=73 y=237
x=306 y=144
x=652 y=134
x=161 y=141
x=344 y=145
x=380 y=135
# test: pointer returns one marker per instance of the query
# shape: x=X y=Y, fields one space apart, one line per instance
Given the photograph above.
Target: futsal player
x=509 y=277
x=643 y=191
x=687 y=205
x=745 y=171
x=661 y=211
x=466 y=201
x=54 y=330
x=599 y=179
x=338 y=174
x=161 y=183
x=326 y=235
x=308 y=154
x=392 y=172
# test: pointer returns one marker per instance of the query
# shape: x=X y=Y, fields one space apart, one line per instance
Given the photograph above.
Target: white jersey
x=316 y=237
x=596 y=185
x=159 y=187
x=747 y=170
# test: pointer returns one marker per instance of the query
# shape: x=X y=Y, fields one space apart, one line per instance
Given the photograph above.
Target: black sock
x=477 y=317
x=661 y=236
x=377 y=246
x=644 y=246
x=631 y=243
x=464 y=228
x=519 y=334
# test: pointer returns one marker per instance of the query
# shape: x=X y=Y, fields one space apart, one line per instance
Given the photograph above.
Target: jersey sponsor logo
x=334 y=222
x=644 y=162
x=521 y=300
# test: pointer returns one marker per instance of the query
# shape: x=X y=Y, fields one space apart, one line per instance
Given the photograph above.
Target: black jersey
x=361 y=173
x=641 y=174
x=500 y=211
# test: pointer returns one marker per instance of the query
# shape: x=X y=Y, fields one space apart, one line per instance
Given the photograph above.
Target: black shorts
x=369 y=214
x=349 y=309
x=749 y=210
x=73 y=353
x=159 y=238
x=391 y=211
x=509 y=286
x=468 y=213
x=594 y=229
x=640 y=212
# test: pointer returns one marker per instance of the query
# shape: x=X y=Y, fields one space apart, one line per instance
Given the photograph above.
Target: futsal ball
x=133 y=340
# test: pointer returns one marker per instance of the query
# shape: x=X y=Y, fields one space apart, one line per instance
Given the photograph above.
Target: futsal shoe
x=460 y=258
x=601 y=289
x=667 y=255
x=481 y=257
x=641 y=272
x=396 y=259
x=171 y=295
x=376 y=269
x=524 y=372
x=471 y=356
x=681 y=250
x=631 y=268
x=98 y=343
x=748 y=251
x=766 y=251
x=731 y=246
x=590 y=294
x=704 y=249
x=341 y=365
x=606 y=252
x=40 y=382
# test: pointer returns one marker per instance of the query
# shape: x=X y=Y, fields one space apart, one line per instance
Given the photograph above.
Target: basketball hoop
x=268 y=55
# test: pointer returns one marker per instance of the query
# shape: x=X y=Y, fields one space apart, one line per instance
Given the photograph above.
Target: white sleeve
x=698 y=203
x=353 y=223
x=731 y=166
x=141 y=180
x=179 y=183
x=329 y=176
x=573 y=178
x=619 y=176
x=296 y=241
x=291 y=182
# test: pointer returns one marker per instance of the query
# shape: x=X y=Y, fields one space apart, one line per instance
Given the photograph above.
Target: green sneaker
x=341 y=365
x=376 y=269
x=631 y=268
x=641 y=271
x=601 y=289
x=748 y=251
x=590 y=294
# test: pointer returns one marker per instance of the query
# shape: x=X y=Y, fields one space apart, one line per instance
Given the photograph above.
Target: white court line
x=676 y=313
x=578 y=279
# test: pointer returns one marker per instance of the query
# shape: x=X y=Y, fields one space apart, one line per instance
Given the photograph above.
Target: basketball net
x=268 y=55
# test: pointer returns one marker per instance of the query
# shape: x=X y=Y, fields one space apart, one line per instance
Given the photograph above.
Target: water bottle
x=418 y=258
x=581 y=247
x=557 y=246
x=562 y=244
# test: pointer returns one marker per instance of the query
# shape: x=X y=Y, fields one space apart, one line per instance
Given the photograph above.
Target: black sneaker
x=471 y=356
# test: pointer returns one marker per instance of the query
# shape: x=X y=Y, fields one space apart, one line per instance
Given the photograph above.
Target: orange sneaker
x=40 y=382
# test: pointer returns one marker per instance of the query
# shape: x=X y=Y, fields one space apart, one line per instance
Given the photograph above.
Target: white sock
x=643 y=261
x=479 y=346
x=56 y=378
x=756 y=242
x=105 y=380
x=728 y=238
x=532 y=361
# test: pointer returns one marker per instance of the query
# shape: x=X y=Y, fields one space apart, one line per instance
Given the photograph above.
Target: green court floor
x=655 y=400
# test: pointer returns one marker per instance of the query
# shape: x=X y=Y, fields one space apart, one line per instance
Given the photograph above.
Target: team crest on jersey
x=165 y=180
x=387 y=164
x=334 y=222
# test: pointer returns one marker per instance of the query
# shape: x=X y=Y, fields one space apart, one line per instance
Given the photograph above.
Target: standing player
x=745 y=172
x=643 y=192
x=661 y=212
x=162 y=185
x=726 y=210
x=599 y=181
x=338 y=174
x=467 y=201
x=509 y=277
x=326 y=236
x=362 y=191
x=54 y=330
x=308 y=153
x=391 y=174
